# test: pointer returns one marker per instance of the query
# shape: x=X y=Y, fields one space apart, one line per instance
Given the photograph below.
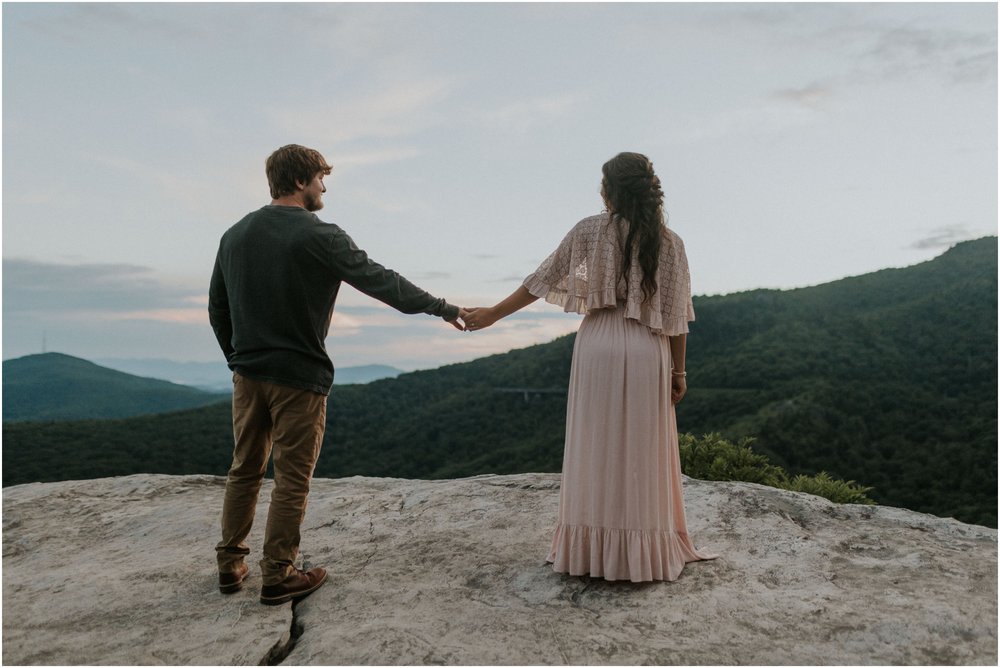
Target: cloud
x=107 y=309
x=387 y=202
x=184 y=186
x=177 y=316
x=362 y=322
x=880 y=47
x=875 y=43
x=188 y=118
x=90 y=22
x=343 y=324
x=394 y=110
x=429 y=275
x=378 y=35
x=124 y=310
x=522 y=115
x=421 y=342
x=945 y=237
x=813 y=95
x=91 y=290
x=372 y=157
x=770 y=116
x=958 y=55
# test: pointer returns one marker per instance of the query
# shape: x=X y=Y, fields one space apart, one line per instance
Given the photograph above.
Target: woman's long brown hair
x=632 y=192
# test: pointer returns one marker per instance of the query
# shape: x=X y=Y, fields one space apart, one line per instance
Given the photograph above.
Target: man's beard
x=313 y=203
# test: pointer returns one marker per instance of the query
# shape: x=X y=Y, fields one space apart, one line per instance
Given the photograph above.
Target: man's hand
x=462 y=315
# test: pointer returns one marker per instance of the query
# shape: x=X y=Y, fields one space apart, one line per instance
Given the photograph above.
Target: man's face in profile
x=312 y=194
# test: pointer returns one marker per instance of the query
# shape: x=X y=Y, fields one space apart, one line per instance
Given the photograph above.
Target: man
x=271 y=299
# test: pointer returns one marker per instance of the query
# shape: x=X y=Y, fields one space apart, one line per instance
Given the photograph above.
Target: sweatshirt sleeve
x=218 y=310
x=357 y=270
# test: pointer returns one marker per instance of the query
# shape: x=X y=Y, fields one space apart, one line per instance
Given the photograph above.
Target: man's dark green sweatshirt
x=275 y=282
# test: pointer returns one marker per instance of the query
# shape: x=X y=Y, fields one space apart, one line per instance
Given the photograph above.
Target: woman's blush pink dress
x=621 y=510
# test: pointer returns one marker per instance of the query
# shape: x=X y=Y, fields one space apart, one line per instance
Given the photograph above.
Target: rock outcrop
x=121 y=571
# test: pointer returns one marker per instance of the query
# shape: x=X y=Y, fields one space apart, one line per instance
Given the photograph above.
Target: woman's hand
x=480 y=317
x=678 y=387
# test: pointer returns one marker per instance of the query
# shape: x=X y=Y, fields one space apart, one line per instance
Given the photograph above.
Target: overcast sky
x=797 y=144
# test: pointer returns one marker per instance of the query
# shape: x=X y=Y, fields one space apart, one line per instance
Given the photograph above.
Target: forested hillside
x=888 y=379
x=53 y=386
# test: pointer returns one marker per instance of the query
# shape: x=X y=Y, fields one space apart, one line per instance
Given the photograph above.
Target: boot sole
x=285 y=598
x=231 y=588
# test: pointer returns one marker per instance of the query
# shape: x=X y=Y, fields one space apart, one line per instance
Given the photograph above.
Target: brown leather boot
x=297 y=585
x=230 y=583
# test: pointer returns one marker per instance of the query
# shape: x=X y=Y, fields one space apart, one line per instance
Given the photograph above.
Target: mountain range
x=53 y=386
x=888 y=379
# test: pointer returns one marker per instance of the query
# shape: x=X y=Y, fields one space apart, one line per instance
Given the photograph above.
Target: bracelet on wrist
x=679 y=373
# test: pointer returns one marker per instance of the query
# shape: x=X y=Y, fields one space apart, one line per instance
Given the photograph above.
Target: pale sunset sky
x=797 y=144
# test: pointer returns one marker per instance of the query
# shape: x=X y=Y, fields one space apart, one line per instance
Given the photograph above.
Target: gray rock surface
x=121 y=571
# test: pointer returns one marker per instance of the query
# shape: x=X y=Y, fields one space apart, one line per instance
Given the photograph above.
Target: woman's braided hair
x=632 y=192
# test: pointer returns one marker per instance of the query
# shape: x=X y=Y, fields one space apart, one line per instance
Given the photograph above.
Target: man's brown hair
x=291 y=164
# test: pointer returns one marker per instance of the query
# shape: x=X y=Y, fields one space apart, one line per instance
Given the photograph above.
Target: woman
x=621 y=508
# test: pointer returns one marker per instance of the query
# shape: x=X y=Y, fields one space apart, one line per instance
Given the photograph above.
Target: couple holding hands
x=271 y=298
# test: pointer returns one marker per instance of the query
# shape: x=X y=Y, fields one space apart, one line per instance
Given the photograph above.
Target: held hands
x=482 y=317
x=457 y=323
x=479 y=318
x=472 y=319
x=462 y=323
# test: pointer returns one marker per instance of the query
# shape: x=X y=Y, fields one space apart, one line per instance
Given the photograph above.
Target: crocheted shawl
x=585 y=273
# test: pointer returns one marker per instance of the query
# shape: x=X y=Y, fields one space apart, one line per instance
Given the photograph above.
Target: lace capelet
x=583 y=273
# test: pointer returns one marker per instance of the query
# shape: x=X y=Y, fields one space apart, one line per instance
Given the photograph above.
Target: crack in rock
x=281 y=649
x=322 y=526
x=289 y=639
x=371 y=538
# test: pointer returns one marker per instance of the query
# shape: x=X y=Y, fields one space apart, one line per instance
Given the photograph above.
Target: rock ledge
x=121 y=571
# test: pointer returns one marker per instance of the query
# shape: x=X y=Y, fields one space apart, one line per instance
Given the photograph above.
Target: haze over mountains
x=216 y=376
x=889 y=379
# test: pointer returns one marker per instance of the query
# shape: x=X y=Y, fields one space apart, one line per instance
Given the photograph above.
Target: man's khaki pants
x=290 y=421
